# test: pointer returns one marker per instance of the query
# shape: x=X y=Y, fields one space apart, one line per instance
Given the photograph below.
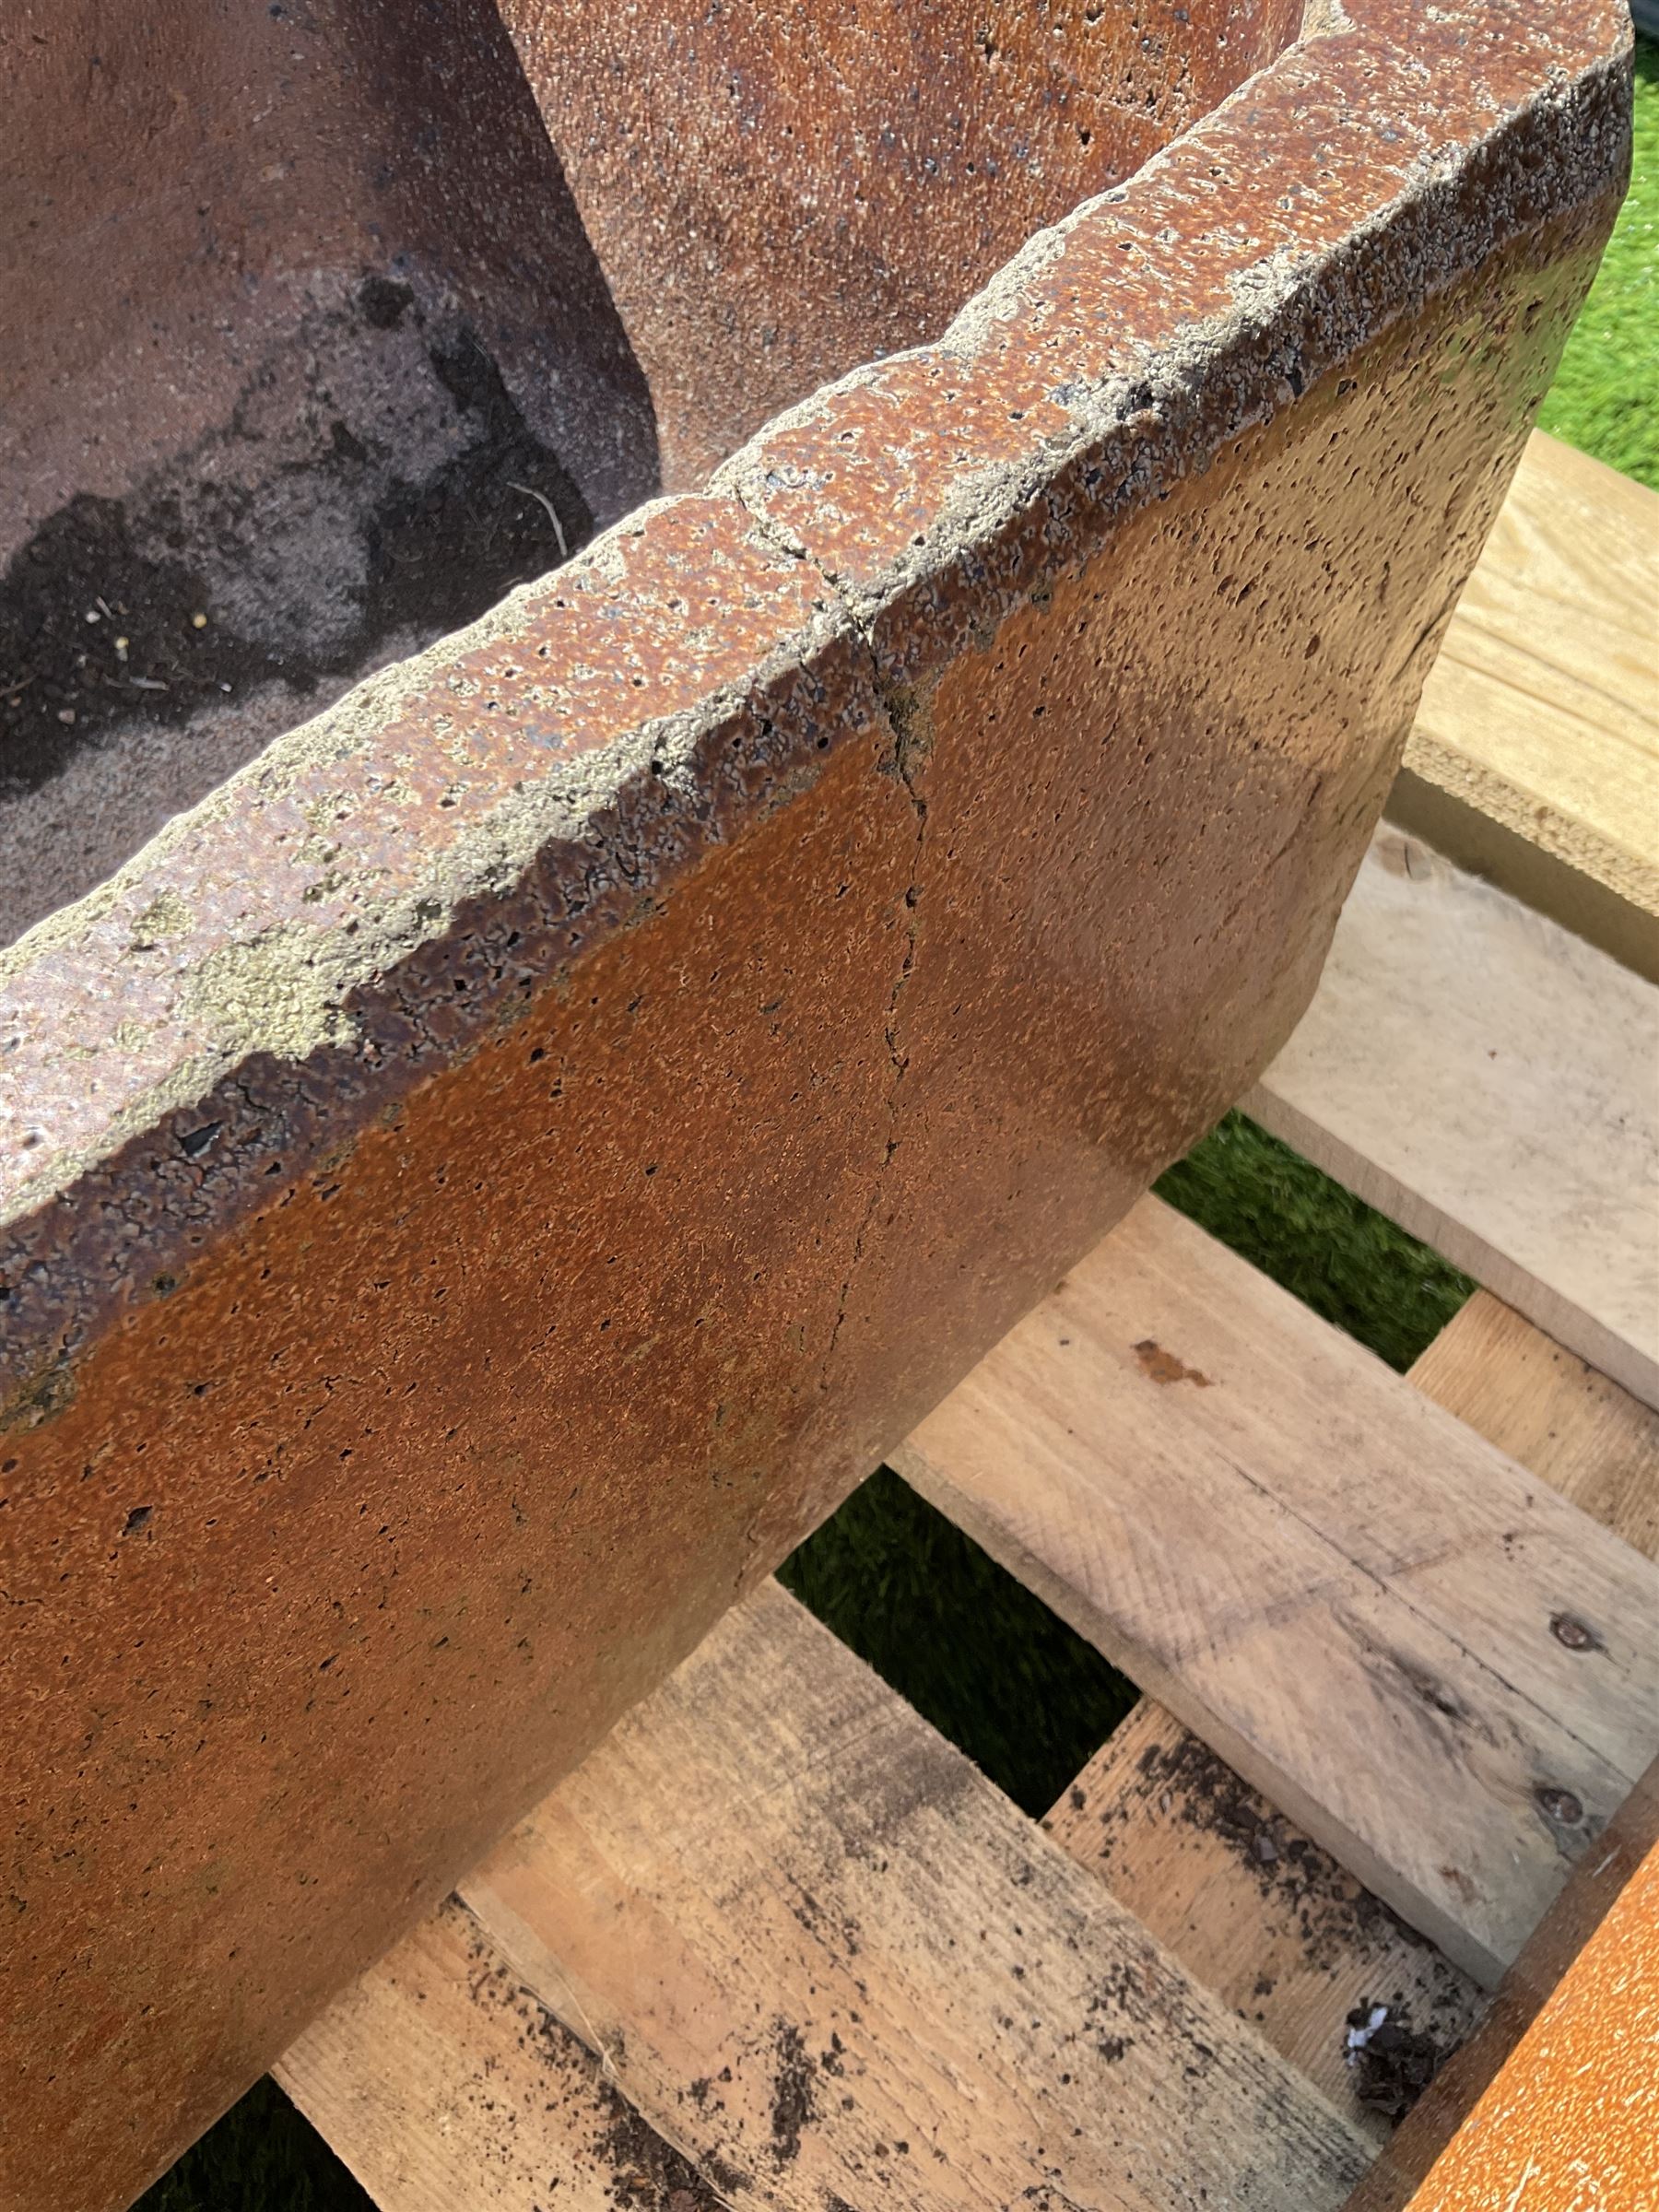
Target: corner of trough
x=1123 y=346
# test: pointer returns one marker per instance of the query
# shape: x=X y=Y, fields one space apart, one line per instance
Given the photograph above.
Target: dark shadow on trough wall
x=316 y=347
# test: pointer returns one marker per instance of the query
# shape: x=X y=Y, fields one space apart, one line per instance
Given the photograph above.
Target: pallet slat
x=446 y=2086
x=1344 y=1591
x=830 y=1962
x=1558 y=2082
x=827 y=1958
x=1291 y=1939
x=1486 y=1080
x=1551 y=1411
x=1542 y=711
x=1252 y=1907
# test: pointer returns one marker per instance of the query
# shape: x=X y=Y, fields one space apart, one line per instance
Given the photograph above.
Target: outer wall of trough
x=1575 y=2109
x=482 y=1185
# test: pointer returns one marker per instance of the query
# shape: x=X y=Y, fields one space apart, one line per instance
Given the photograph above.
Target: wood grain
x=1600 y=1448
x=1343 y=1589
x=1553 y=1412
x=1252 y=1906
x=446 y=2086
x=822 y=1953
x=1488 y=1080
x=1542 y=711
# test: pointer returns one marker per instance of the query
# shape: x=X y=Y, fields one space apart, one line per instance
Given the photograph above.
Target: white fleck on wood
x=1341 y=1588
x=1492 y=1083
x=824 y=1956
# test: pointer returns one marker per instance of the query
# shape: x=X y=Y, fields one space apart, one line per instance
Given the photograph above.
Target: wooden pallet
x=777 y=1944
x=1535 y=754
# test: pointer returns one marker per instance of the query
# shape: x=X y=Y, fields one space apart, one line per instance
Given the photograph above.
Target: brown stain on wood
x=1159 y=1366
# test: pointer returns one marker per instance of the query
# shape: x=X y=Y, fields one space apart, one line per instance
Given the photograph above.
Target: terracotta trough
x=481 y=1185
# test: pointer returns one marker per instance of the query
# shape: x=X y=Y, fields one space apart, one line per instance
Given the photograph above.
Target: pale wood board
x=1492 y=1083
x=825 y=1957
x=1343 y=1589
x=1291 y=1939
x=1480 y=846
x=1551 y=1411
x=446 y=2086
x=1252 y=1907
x=1542 y=711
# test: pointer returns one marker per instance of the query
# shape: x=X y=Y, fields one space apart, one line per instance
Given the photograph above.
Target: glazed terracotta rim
x=697 y=662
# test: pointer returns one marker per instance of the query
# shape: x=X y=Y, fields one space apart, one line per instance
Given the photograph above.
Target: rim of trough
x=384 y=887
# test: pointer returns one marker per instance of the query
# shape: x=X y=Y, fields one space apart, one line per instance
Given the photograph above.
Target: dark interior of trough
x=357 y=315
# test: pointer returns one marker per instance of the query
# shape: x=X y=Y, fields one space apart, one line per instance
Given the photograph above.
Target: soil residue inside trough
x=377 y=481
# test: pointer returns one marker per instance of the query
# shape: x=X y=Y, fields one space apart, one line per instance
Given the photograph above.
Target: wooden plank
x=1255 y=1911
x=1475 y=842
x=446 y=2086
x=1551 y=1411
x=1341 y=1588
x=1542 y=711
x=820 y=1953
x=1282 y=1933
x=1486 y=1080
x=1601 y=1449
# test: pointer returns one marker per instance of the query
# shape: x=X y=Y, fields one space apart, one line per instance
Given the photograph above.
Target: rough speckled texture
x=297 y=303
x=776 y=194
x=1572 y=2122
x=473 y=1194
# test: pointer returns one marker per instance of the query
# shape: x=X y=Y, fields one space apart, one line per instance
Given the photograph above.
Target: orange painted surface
x=1571 y=2124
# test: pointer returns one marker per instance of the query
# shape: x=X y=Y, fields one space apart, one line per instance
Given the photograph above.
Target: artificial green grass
x=261 y=2158
x=1337 y=1255
x=1605 y=399
x=972 y=1650
x=962 y=1639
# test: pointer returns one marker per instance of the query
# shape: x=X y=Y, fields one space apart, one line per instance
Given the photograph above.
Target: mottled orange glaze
x=477 y=1192
x=1572 y=2123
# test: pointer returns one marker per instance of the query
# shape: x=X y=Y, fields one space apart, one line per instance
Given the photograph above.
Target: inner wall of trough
x=779 y=190
x=306 y=361
x=361 y=315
